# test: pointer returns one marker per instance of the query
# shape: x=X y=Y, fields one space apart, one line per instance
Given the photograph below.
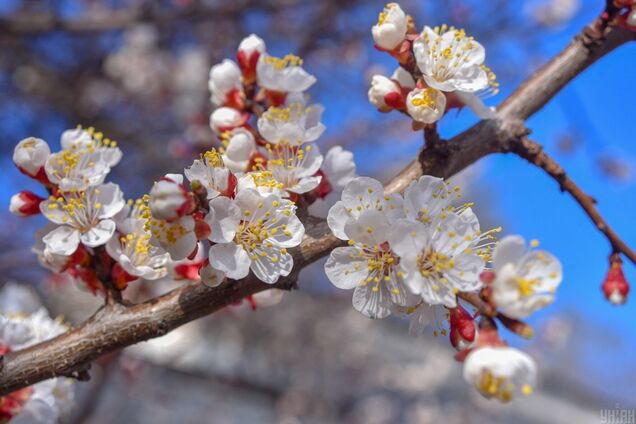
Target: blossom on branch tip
x=500 y=372
x=451 y=61
x=525 y=280
x=390 y=30
x=83 y=217
x=253 y=231
x=30 y=155
x=615 y=286
x=426 y=105
x=168 y=199
x=76 y=168
x=25 y=203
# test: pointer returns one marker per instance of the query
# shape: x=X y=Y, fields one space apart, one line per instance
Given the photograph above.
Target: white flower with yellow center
x=240 y=146
x=451 y=61
x=370 y=266
x=391 y=28
x=211 y=172
x=285 y=75
x=292 y=125
x=41 y=403
x=83 y=217
x=132 y=249
x=253 y=231
x=175 y=237
x=426 y=105
x=500 y=372
x=428 y=199
x=89 y=139
x=338 y=169
x=359 y=195
x=294 y=168
x=525 y=280
x=441 y=260
x=77 y=168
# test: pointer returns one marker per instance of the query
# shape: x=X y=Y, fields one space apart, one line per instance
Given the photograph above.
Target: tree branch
x=533 y=152
x=117 y=326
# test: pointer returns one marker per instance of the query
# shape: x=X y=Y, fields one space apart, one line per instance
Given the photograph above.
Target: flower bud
x=30 y=156
x=239 y=149
x=615 y=287
x=247 y=56
x=426 y=105
x=226 y=119
x=225 y=83
x=25 y=203
x=462 y=328
x=404 y=78
x=391 y=28
x=385 y=94
x=169 y=199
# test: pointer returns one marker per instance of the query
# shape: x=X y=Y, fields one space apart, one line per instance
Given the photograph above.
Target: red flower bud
x=615 y=287
x=25 y=203
x=462 y=328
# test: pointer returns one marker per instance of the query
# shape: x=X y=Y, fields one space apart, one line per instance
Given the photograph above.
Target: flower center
x=425 y=100
x=497 y=387
x=81 y=208
x=282 y=63
x=526 y=286
x=381 y=263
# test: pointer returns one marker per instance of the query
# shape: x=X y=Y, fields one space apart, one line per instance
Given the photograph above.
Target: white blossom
x=382 y=90
x=90 y=140
x=240 y=146
x=525 y=280
x=361 y=194
x=225 y=77
x=284 y=75
x=210 y=276
x=30 y=155
x=176 y=237
x=439 y=261
x=338 y=169
x=82 y=216
x=369 y=266
x=77 y=168
x=427 y=199
x=41 y=403
x=168 y=198
x=292 y=125
x=253 y=231
x=403 y=77
x=211 y=172
x=391 y=28
x=500 y=372
x=291 y=169
x=226 y=119
x=426 y=105
x=450 y=60
x=133 y=251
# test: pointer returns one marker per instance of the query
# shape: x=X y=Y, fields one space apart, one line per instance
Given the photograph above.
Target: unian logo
x=618 y=415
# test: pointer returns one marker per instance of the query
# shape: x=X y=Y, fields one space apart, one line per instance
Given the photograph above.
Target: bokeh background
x=137 y=70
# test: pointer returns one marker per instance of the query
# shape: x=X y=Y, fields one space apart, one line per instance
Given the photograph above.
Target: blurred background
x=137 y=70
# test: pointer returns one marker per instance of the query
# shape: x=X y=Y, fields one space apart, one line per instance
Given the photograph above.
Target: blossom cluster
x=440 y=68
x=423 y=254
x=23 y=323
